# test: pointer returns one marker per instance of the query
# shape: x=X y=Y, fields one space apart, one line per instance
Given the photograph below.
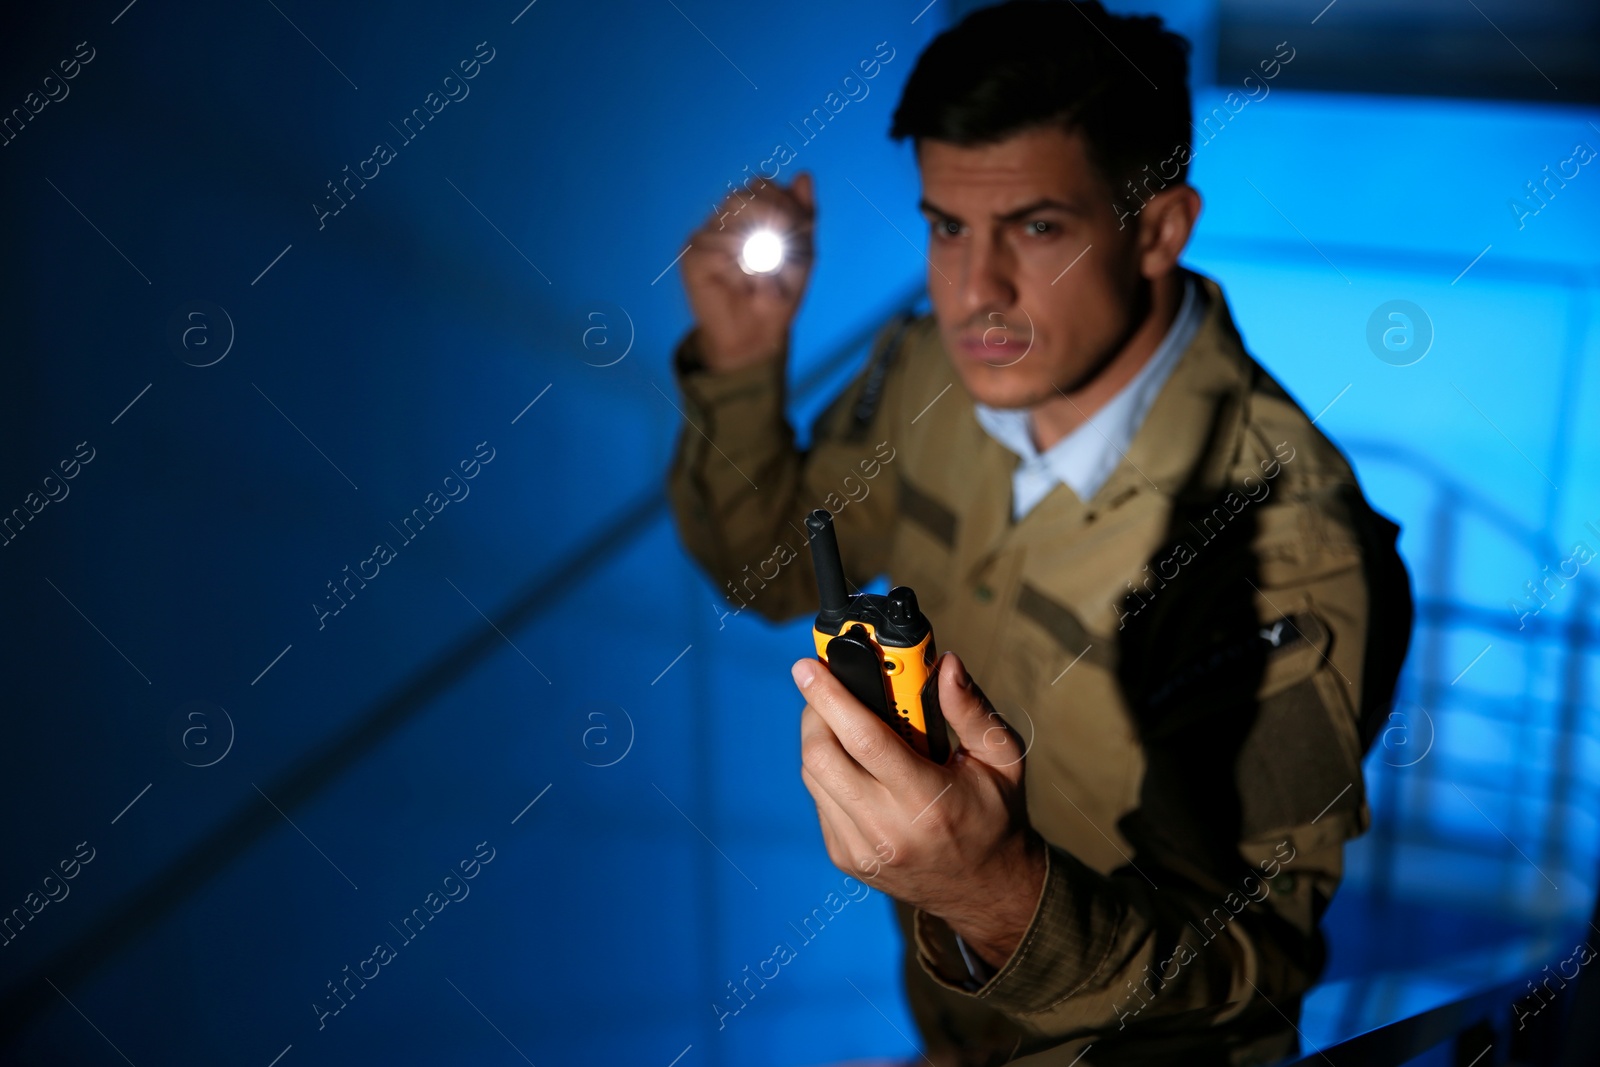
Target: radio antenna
x=830 y=569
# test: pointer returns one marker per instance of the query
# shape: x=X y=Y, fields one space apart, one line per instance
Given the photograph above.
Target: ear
x=1165 y=225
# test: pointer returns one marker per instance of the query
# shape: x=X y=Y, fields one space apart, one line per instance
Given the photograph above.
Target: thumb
x=983 y=734
x=803 y=191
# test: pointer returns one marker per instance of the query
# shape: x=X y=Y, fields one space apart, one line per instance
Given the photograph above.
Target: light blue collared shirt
x=1085 y=458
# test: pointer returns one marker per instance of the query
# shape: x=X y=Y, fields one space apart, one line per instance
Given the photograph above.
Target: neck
x=1055 y=418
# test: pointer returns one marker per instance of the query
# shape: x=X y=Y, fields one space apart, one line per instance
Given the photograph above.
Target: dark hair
x=1121 y=81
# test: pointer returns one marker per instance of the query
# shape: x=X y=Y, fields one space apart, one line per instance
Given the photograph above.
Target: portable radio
x=880 y=647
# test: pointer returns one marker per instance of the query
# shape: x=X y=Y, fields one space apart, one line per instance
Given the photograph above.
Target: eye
x=946 y=228
x=1040 y=228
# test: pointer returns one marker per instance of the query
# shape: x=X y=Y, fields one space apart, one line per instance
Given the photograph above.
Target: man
x=1166 y=579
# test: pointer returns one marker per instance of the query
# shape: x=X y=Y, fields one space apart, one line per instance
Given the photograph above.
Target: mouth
x=992 y=348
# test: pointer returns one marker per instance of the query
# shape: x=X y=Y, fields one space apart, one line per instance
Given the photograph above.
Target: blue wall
x=377 y=352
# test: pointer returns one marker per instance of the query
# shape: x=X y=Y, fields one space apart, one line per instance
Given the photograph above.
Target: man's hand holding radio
x=953 y=840
x=743 y=318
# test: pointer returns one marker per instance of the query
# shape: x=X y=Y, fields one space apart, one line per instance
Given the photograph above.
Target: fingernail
x=804 y=671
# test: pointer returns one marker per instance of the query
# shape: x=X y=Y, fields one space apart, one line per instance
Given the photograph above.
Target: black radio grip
x=854 y=662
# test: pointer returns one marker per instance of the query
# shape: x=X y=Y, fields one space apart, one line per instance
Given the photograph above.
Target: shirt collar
x=1085 y=458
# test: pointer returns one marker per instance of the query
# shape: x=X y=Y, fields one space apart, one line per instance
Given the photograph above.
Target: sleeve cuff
x=1066 y=944
x=755 y=391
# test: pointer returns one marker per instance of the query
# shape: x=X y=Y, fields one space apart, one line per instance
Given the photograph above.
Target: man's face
x=1032 y=283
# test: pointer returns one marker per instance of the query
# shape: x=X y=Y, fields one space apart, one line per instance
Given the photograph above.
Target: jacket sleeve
x=740 y=488
x=1253 y=745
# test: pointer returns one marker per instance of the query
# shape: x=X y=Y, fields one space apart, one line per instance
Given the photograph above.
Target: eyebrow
x=1043 y=204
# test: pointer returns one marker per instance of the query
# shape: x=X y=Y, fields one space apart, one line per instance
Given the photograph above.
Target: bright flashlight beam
x=763 y=252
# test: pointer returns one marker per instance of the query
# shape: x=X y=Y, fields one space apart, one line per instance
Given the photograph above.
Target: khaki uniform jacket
x=1196 y=658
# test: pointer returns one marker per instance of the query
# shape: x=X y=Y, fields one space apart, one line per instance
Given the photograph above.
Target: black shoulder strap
x=874 y=375
x=889 y=341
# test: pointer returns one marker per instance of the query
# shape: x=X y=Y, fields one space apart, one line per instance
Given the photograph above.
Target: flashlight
x=762 y=253
x=880 y=647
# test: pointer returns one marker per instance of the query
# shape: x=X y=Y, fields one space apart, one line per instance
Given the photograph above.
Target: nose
x=986 y=283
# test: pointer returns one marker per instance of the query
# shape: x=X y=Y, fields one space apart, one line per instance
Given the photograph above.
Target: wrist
x=724 y=357
x=1010 y=901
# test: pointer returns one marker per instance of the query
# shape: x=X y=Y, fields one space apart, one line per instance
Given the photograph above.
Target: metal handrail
x=1477 y=1021
x=1405 y=1039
